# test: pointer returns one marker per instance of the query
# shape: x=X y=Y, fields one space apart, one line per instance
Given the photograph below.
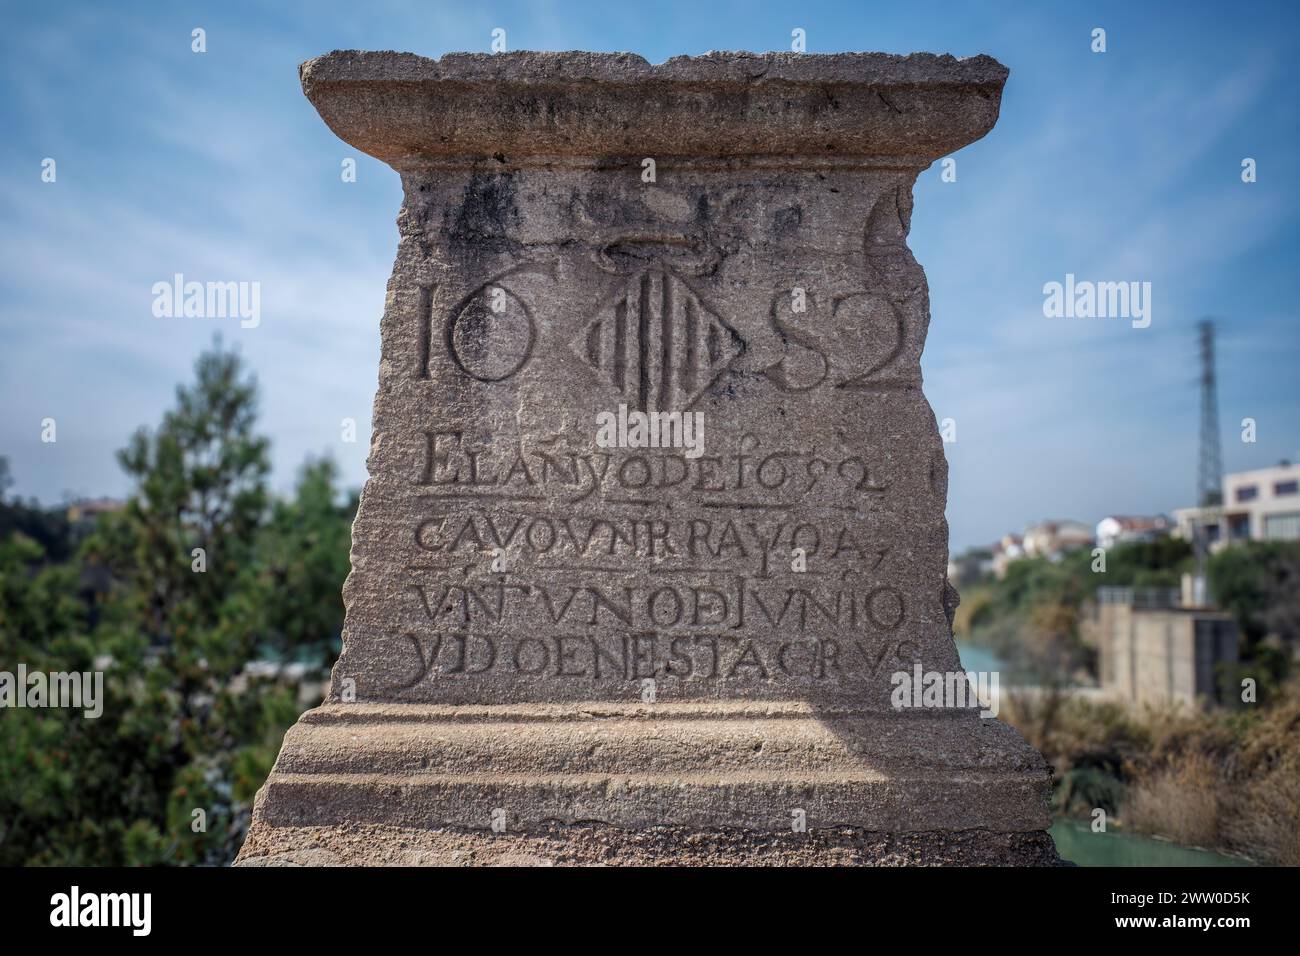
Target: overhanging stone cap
x=407 y=109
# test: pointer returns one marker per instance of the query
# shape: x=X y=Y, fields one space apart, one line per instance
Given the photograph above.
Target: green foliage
x=185 y=726
x=1030 y=618
x=1149 y=564
x=1080 y=790
x=1259 y=582
x=48 y=528
x=301 y=558
x=201 y=483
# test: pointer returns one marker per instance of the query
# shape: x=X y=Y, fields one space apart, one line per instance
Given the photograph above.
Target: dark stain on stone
x=610 y=208
x=488 y=212
x=787 y=220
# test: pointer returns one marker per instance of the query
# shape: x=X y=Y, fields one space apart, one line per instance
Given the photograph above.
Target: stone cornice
x=519 y=107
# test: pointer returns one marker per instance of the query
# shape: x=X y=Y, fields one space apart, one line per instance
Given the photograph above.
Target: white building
x=1051 y=539
x=1261 y=505
x=1009 y=549
x=1121 y=529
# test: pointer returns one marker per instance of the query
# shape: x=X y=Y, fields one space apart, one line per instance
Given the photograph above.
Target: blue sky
x=1124 y=165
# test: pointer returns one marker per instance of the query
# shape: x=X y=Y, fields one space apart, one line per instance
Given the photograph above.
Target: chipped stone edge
x=532 y=68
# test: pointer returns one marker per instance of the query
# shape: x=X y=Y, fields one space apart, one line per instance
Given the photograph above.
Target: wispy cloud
x=1121 y=167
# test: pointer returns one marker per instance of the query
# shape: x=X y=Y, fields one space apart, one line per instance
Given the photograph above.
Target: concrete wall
x=1164 y=656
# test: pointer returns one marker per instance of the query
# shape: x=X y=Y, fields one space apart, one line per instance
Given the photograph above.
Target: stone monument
x=655 y=523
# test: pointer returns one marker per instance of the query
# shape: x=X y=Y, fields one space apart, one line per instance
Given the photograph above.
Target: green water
x=1078 y=844
x=975 y=658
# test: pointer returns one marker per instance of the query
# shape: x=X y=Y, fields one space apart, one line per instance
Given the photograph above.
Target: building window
x=1238 y=527
x=1286 y=487
x=1247 y=492
x=1282 y=527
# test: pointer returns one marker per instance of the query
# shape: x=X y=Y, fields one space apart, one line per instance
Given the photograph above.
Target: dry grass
x=1180 y=801
x=1264 y=821
x=1220 y=780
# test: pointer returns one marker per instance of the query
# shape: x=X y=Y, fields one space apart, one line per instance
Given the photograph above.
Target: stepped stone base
x=700 y=783
x=593 y=844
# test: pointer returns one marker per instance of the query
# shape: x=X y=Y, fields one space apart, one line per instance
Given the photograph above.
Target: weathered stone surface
x=644 y=674
x=595 y=844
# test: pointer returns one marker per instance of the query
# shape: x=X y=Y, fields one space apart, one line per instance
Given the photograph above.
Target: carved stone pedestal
x=565 y=646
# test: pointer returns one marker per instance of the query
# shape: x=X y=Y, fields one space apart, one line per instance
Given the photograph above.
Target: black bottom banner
x=334 y=906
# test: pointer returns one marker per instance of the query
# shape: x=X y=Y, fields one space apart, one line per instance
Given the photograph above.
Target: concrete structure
x=568 y=643
x=1259 y=505
x=1154 y=651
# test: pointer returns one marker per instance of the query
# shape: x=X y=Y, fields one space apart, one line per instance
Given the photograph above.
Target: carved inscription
x=721 y=541
x=450 y=463
x=736 y=630
x=648 y=654
x=732 y=605
x=490 y=335
x=693 y=589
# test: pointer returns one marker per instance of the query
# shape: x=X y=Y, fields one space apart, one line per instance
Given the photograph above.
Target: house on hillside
x=1009 y=549
x=1123 y=529
x=1052 y=539
x=1260 y=505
